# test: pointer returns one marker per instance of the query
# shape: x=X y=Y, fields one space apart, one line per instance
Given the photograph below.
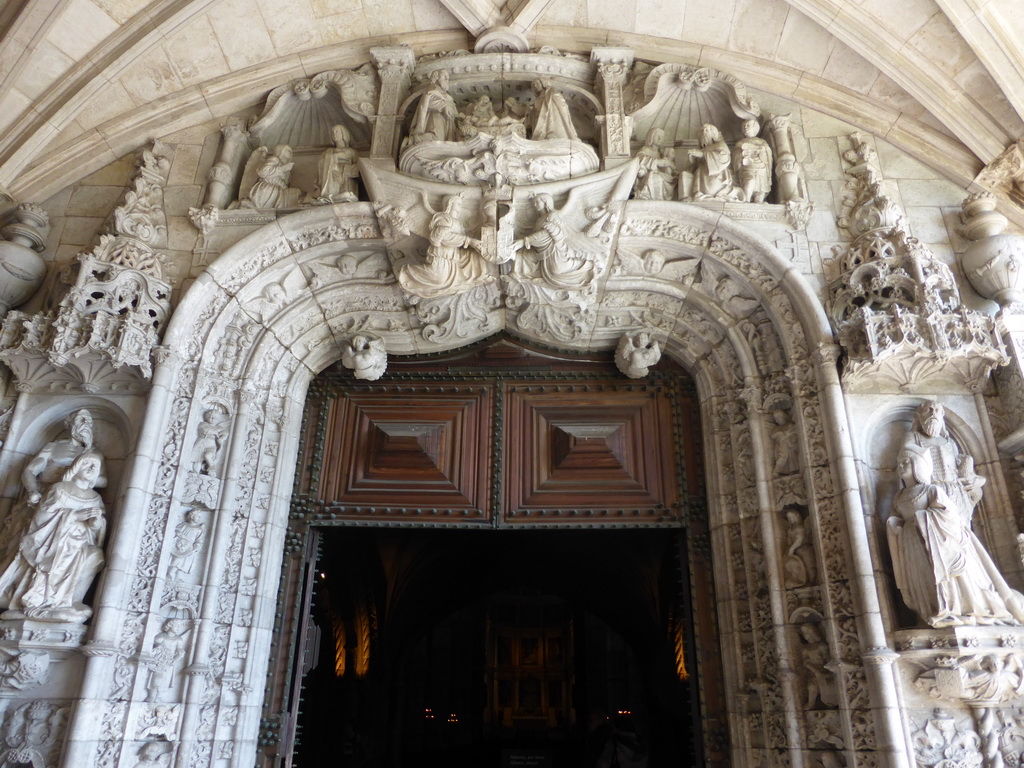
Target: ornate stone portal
x=574 y=202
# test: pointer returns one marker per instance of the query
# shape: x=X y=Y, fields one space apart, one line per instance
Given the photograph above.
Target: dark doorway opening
x=498 y=648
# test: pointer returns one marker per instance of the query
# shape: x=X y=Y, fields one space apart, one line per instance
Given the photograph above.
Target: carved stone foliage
x=31 y=733
x=526 y=254
x=896 y=307
x=943 y=742
x=106 y=326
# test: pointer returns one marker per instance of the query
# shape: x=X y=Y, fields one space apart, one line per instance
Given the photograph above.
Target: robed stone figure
x=943 y=572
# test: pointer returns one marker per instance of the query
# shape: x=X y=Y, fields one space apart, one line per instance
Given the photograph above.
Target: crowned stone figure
x=942 y=570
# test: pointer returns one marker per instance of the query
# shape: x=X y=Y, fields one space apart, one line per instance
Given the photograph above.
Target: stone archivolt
x=507 y=208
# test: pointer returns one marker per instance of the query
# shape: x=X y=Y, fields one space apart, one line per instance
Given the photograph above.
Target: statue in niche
x=454 y=262
x=435 y=113
x=942 y=570
x=366 y=357
x=798 y=565
x=61 y=551
x=188 y=540
x=752 y=164
x=549 y=115
x=820 y=682
x=210 y=441
x=785 y=443
x=271 y=189
x=556 y=255
x=792 y=185
x=654 y=180
x=637 y=353
x=168 y=649
x=710 y=177
x=338 y=170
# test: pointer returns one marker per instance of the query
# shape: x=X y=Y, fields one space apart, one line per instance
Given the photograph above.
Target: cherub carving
x=636 y=353
x=366 y=356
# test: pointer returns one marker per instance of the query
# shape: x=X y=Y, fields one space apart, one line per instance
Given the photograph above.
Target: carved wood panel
x=501 y=447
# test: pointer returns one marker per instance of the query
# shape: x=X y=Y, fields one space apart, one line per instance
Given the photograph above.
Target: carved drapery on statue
x=53 y=536
x=942 y=570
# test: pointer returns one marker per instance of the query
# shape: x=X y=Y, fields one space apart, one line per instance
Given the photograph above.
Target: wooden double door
x=428 y=506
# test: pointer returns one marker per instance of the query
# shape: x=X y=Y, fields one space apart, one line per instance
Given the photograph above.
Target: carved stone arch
x=223 y=346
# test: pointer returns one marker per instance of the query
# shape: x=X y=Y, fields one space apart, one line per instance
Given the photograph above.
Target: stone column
x=394 y=66
x=616 y=127
x=224 y=176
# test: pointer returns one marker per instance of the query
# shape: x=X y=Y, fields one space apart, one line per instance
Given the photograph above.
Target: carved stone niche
x=500 y=119
x=680 y=99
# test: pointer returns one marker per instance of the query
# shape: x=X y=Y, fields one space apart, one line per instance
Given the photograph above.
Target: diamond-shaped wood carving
x=425 y=450
x=588 y=450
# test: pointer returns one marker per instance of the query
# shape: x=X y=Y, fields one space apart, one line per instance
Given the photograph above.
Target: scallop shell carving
x=680 y=99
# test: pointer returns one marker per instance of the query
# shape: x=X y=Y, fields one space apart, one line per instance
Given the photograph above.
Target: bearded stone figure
x=44 y=469
x=942 y=570
x=61 y=552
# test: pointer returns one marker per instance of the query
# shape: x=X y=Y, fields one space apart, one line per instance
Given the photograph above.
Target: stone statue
x=188 y=540
x=168 y=649
x=435 y=114
x=338 y=170
x=549 y=116
x=45 y=469
x=212 y=435
x=454 y=261
x=654 y=180
x=942 y=570
x=752 y=164
x=637 y=353
x=792 y=186
x=821 y=685
x=271 y=188
x=798 y=565
x=711 y=173
x=785 y=443
x=61 y=551
x=558 y=257
x=366 y=357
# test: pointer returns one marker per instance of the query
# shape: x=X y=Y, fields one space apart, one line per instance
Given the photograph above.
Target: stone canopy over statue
x=942 y=570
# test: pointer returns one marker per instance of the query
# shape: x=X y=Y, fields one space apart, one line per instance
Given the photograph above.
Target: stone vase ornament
x=23 y=268
x=993 y=262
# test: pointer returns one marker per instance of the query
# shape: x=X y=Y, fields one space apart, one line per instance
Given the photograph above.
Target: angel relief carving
x=454 y=262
